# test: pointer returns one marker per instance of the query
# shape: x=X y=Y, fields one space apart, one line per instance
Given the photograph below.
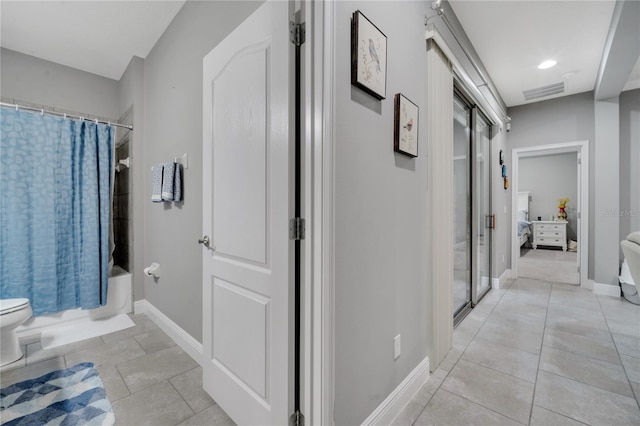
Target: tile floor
x=148 y=378
x=537 y=353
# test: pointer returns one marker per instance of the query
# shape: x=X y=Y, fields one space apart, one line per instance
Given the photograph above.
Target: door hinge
x=296 y=228
x=579 y=215
x=578 y=269
x=296 y=33
x=296 y=419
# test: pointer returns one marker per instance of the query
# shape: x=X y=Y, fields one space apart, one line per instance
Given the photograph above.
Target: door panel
x=482 y=177
x=239 y=131
x=462 y=207
x=246 y=207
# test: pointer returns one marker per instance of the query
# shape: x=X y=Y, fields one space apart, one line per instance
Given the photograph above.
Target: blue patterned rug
x=73 y=396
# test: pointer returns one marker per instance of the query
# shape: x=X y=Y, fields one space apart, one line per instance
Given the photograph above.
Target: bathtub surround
x=122 y=222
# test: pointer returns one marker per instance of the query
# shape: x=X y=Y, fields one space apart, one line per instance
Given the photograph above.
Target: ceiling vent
x=541 y=92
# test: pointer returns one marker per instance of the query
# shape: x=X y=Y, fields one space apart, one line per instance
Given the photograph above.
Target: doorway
x=546 y=245
x=472 y=204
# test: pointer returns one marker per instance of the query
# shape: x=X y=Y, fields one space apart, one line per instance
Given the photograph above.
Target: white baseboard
x=391 y=407
x=173 y=330
x=499 y=282
x=588 y=285
x=606 y=290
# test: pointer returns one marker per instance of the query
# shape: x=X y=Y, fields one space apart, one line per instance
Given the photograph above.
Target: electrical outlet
x=397 y=347
x=503 y=258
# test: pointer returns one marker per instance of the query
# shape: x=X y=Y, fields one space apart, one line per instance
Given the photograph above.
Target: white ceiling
x=513 y=37
x=99 y=37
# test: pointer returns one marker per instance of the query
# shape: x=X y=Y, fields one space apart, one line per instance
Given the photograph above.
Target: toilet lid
x=11 y=305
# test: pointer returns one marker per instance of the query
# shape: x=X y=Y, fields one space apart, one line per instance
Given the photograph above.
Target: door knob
x=204 y=241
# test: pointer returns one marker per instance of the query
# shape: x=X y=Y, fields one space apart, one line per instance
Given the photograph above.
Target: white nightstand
x=550 y=233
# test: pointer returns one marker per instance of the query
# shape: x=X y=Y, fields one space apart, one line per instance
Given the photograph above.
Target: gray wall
x=36 y=81
x=548 y=178
x=380 y=217
x=629 y=162
x=172 y=127
x=566 y=119
x=501 y=205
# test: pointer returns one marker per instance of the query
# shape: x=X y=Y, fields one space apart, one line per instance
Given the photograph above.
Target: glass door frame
x=475 y=110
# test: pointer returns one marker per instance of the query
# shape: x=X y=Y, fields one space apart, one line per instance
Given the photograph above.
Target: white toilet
x=13 y=312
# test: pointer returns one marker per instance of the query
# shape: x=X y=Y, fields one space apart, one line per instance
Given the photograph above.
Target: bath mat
x=73 y=396
x=81 y=330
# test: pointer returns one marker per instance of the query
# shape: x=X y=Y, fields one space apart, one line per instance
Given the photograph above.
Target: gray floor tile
x=584 y=403
x=35 y=353
x=146 y=370
x=594 y=372
x=519 y=319
x=636 y=391
x=212 y=416
x=143 y=325
x=518 y=363
x=408 y=415
x=189 y=386
x=507 y=335
x=624 y=326
x=154 y=340
x=601 y=347
x=543 y=417
x=446 y=408
x=632 y=367
x=627 y=345
x=10 y=377
x=158 y=405
x=492 y=389
x=107 y=354
x=451 y=358
x=113 y=383
x=463 y=336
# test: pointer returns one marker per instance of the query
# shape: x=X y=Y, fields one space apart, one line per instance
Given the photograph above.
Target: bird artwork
x=409 y=125
x=374 y=55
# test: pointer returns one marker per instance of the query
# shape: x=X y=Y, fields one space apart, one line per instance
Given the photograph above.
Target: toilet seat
x=8 y=306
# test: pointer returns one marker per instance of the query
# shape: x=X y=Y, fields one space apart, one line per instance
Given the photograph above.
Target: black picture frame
x=368 y=56
x=405 y=126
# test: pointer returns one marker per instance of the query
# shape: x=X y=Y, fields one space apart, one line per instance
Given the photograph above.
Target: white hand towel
x=156 y=183
x=168 y=179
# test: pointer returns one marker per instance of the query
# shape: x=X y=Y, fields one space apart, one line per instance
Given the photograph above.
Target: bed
x=524 y=226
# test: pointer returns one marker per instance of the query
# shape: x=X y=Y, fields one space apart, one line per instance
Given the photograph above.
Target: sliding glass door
x=482 y=206
x=472 y=205
x=462 y=207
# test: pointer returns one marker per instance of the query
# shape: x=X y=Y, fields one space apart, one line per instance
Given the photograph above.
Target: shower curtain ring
x=42 y=113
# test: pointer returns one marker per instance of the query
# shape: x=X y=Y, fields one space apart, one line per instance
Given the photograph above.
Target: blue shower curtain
x=55 y=194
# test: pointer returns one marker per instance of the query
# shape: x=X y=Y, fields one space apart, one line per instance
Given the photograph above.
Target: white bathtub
x=118 y=302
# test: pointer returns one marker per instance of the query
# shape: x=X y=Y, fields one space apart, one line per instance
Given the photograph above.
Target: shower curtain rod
x=65 y=115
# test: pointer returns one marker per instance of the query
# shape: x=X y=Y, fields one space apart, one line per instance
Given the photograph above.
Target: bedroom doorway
x=549 y=183
x=472 y=204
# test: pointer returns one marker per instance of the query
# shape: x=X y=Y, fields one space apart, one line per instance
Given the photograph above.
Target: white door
x=246 y=207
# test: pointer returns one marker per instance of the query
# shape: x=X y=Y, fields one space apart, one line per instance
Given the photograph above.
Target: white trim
x=318 y=249
x=606 y=290
x=393 y=404
x=582 y=148
x=499 y=282
x=187 y=342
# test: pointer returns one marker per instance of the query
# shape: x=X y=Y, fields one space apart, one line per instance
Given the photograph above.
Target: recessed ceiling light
x=547 y=64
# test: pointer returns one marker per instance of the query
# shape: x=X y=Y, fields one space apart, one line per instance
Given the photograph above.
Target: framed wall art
x=405 y=126
x=368 y=56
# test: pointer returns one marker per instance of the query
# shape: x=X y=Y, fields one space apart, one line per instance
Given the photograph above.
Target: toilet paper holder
x=152 y=270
